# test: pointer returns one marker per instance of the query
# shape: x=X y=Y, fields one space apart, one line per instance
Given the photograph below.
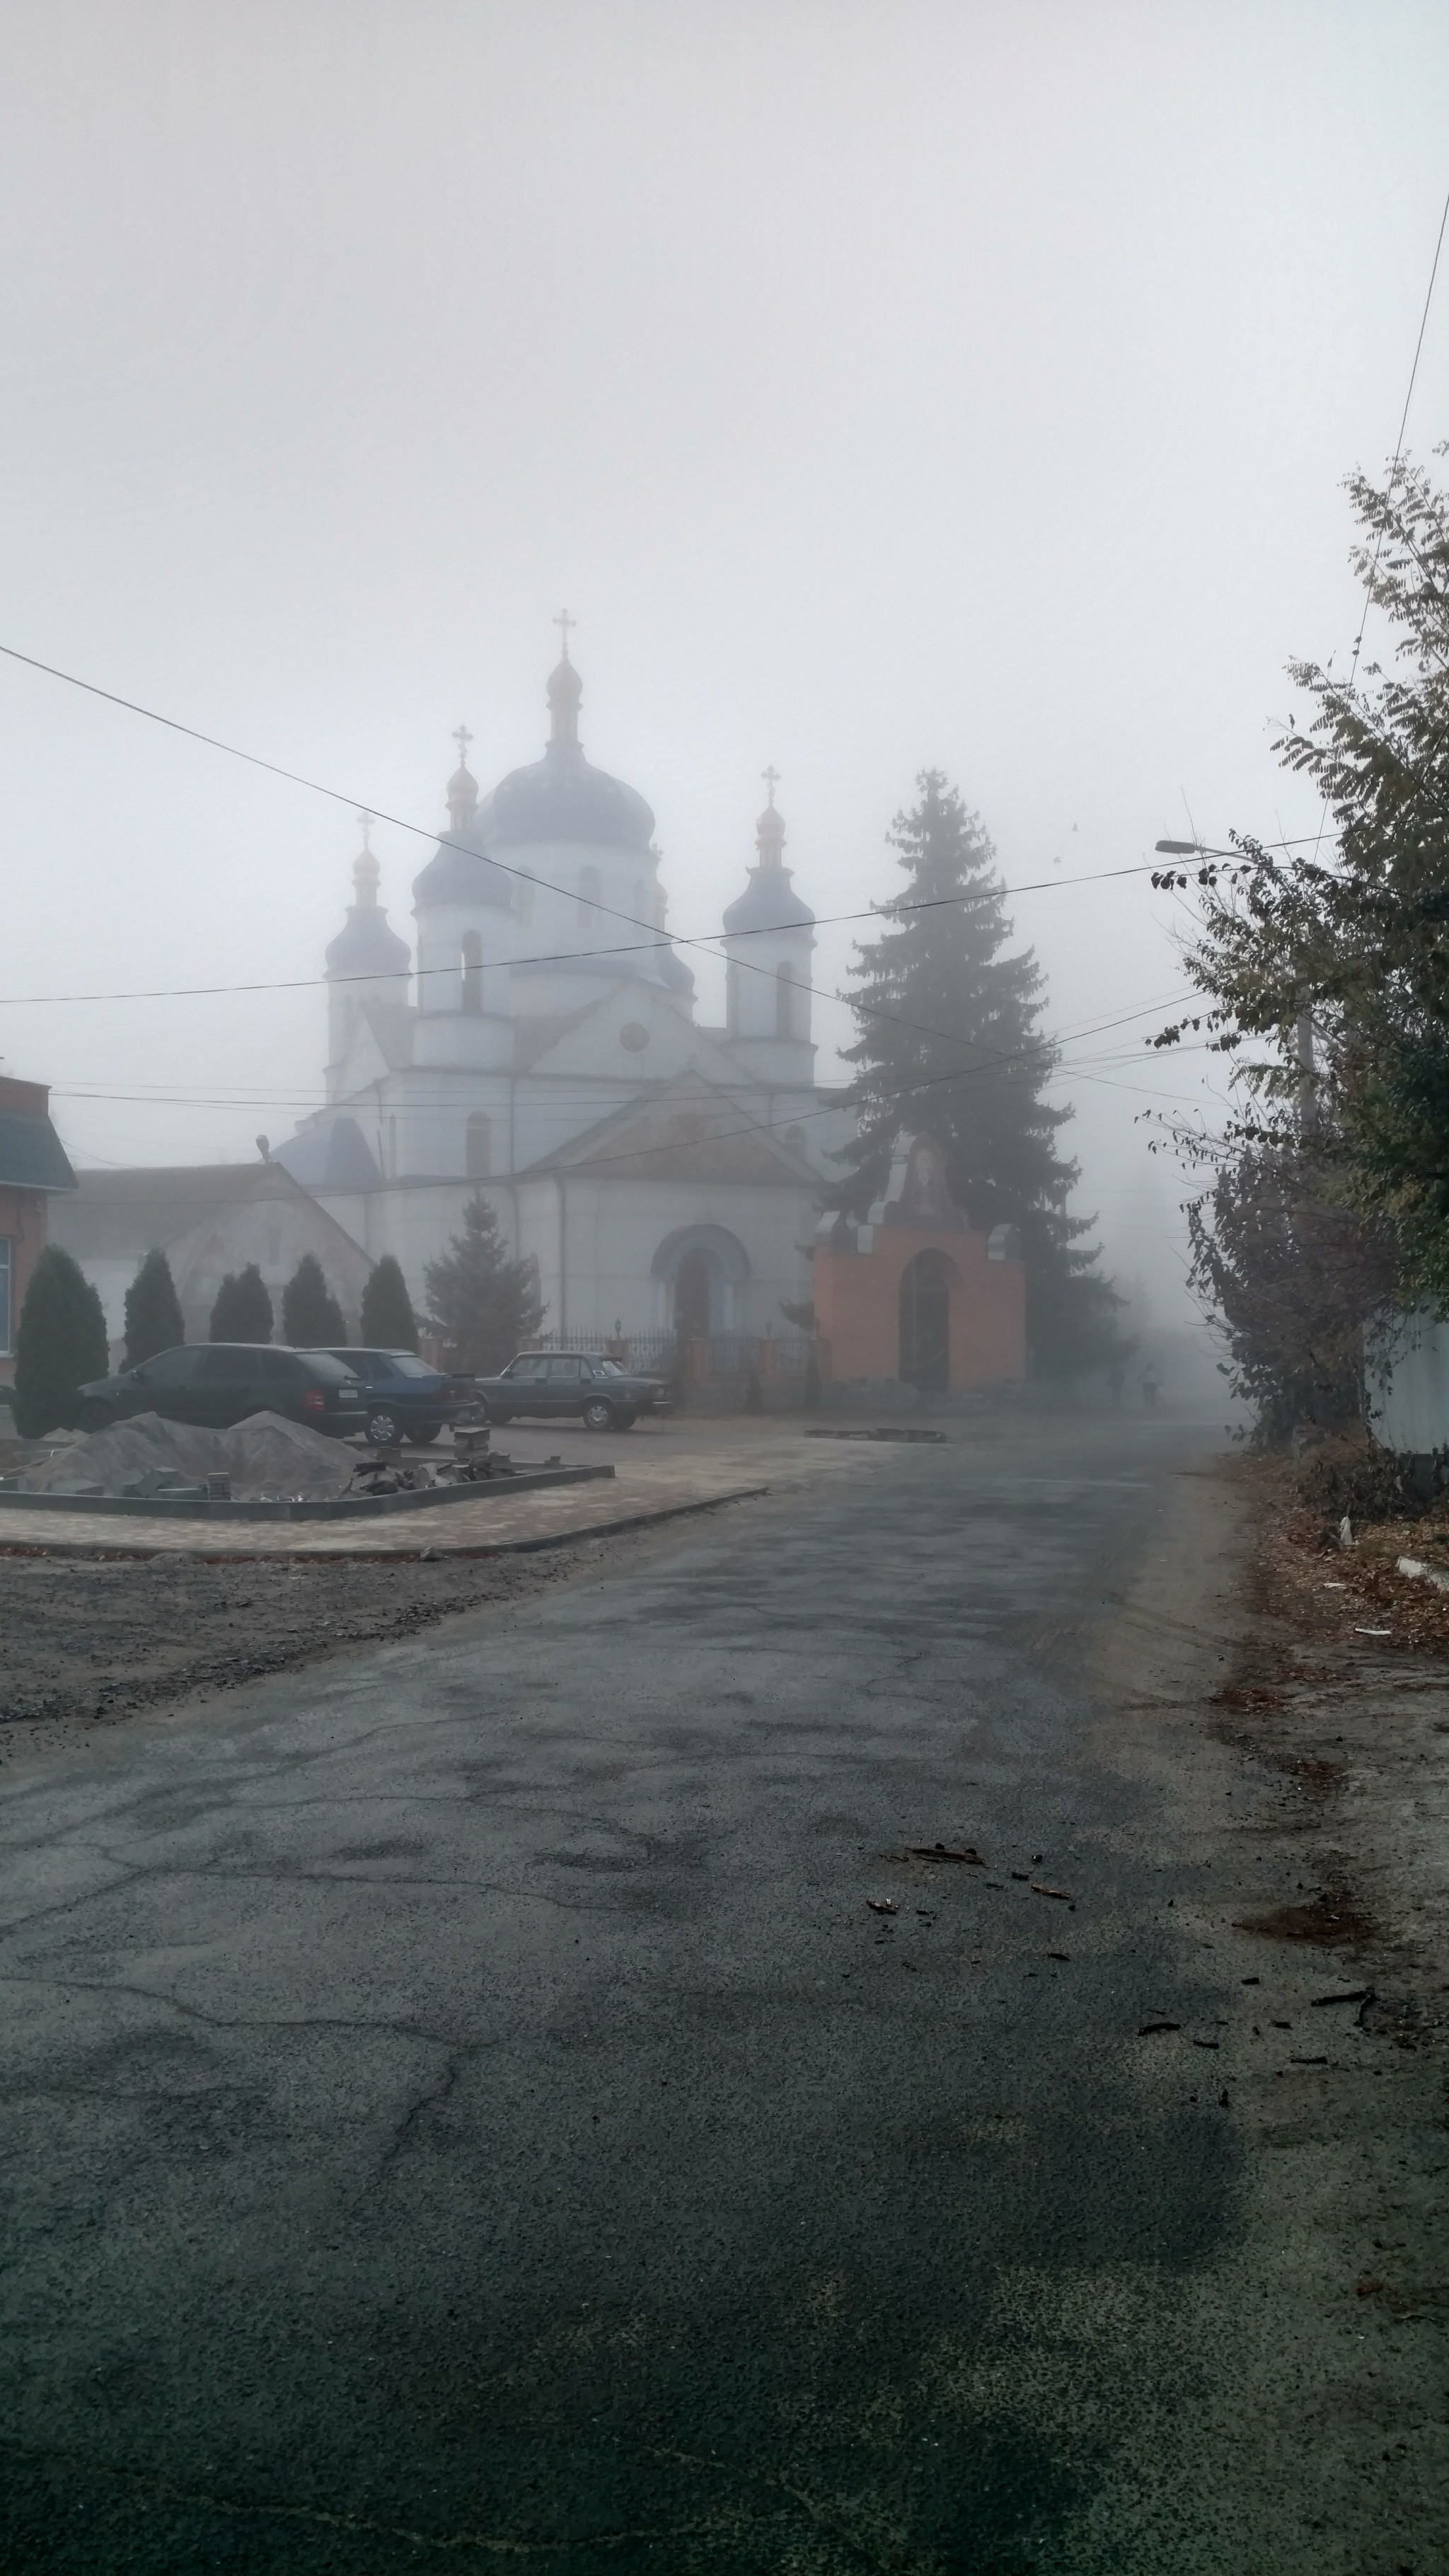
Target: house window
x=479 y=1146
x=472 y=971
x=7 y=1250
x=784 y=1002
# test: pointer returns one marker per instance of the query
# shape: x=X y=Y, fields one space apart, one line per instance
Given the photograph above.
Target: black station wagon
x=219 y=1383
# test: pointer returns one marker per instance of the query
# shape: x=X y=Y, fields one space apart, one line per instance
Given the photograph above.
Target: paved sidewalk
x=682 y=1470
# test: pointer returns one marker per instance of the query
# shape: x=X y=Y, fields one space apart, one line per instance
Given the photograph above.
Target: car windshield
x=407 y=1364
x=608 y=1368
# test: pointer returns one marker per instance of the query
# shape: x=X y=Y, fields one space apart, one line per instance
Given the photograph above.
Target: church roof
x=334 y=1157
x=687 y=1131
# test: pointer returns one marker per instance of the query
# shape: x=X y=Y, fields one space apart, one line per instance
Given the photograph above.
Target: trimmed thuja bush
x=243 y=1310
x=153 y=1311
x=60 y=1344
x=388 y=1321
x=311 y=1316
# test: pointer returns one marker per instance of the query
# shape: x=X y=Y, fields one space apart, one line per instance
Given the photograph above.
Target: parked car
x=219 y=1383
x=598 y=1391
x=404 y=1399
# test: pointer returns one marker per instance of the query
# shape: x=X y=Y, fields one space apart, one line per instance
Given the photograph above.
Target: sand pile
x=266 y=1457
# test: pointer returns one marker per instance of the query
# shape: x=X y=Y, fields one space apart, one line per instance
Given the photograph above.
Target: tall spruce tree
x=60 y=1344
x=153 y=1311
x=243 y=1310
x=949 y=1046
x=311 y=1316
x=481 y=1303
x=388 y=1321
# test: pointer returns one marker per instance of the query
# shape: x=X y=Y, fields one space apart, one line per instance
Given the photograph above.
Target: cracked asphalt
x=460 y=2105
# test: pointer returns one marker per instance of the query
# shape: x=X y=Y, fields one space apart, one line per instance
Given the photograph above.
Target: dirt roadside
x=85 y=1643
x=1302 y=1771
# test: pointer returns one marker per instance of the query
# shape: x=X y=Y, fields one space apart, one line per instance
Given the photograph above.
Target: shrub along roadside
x=60 y=1344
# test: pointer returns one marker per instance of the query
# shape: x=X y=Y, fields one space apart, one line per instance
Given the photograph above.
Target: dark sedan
x=219 y=1383
x=596 y=1391
x=404 y=1399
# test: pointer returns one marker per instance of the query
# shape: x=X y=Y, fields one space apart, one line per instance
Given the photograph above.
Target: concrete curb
x=101 y=1553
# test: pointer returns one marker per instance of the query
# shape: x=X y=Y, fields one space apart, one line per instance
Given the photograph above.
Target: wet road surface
x=460 y=2106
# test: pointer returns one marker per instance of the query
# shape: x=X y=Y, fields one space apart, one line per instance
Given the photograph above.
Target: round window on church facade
x=634 y=1036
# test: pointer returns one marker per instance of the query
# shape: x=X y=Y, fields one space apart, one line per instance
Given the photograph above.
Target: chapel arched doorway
x=925 y=1322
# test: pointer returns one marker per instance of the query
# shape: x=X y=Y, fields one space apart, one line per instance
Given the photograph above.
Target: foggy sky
x=878 y=385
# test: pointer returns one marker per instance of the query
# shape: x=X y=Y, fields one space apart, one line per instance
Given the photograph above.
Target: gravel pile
x=265 y=1457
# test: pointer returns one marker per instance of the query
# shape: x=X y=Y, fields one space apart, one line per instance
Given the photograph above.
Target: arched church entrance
x=700 y=1269
x=925 y=1316
x=692 y=1285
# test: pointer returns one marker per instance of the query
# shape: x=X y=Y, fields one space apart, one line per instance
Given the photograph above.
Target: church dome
x=365 y=945
x=459 y=872
x=769 y=903
x=564 y=798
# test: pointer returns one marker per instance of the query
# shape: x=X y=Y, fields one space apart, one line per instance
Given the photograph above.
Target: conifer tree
x=388 y=1321
x=60 y=1344
x=243 y=1309
x=481 y=1304
x=153 y=1311
x=956 y=1053
x=311 y=1316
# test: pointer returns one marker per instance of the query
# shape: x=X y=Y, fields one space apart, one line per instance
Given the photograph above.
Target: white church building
x=541 y=1043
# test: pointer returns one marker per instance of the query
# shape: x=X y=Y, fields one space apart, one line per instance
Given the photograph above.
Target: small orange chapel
x=917 y=1293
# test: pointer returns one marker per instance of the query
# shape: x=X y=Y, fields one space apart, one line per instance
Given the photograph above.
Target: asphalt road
x=460 y=2108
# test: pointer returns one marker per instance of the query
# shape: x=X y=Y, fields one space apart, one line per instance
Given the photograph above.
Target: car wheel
x=382 y=1428
x=598 y=1416
x=424 y=1432
x=94 y=1417
x=625 y=1421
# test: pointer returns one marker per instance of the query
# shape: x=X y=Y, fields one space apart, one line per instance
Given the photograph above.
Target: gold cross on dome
x=771 y=778
x=462 y=738
x=563 y=621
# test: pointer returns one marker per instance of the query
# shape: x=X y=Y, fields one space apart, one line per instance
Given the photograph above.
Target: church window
x=479 y=1147
x=732 y=998
x=784 y=1002
x=588 y=892
x=472 y=971
x=525 y=901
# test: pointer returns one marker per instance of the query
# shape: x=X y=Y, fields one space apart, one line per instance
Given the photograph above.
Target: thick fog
x=877 y=385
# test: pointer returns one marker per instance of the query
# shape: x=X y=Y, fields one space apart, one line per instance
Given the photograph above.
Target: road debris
x=1063 y=1895
x=1344 y=1995
x=946 y=1851
x=1307 y=2061
x=1367 y=2289
x=1207 y=2043
x=882 y=1905
x=1064 y=1955
x=1146 y=2029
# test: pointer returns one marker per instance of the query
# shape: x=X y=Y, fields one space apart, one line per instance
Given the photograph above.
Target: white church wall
x=596 y=1244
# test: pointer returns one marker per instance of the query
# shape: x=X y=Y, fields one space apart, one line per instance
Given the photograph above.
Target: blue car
x=402 y=1398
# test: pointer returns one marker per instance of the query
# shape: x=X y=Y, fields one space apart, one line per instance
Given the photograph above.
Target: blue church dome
x=769 y=903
